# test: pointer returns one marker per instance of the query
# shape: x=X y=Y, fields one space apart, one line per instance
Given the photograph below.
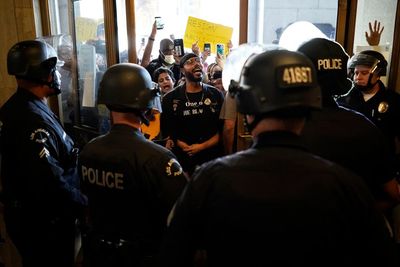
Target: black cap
x=186 y=58
x=330 y=61
x=166 y=45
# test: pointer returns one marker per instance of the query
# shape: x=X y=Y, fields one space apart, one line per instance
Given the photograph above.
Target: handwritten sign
x=86 y=28
x=202 y=31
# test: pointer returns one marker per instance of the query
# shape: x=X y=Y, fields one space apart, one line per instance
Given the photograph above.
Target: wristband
x=152 y=39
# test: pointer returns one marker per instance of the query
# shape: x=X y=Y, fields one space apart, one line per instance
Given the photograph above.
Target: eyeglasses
x=192 y=60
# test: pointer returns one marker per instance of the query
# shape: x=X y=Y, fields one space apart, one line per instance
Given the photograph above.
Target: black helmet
x=277 y=81
x=330 y=61
x=127 y=87
x=369 y=58
x=32 y=60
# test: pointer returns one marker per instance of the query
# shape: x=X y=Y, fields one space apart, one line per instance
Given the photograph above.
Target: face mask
x=169 y=59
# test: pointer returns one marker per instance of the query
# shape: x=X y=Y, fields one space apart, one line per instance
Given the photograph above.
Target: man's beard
x=362 y=88
x=189 y=76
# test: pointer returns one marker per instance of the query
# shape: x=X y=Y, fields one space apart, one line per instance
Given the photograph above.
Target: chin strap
x=367 y=87
x=253 y=124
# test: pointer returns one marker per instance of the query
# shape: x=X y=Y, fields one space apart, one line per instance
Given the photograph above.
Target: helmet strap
x=369 y=85
x=253 y=124
x=143 y=118
x=54 y=84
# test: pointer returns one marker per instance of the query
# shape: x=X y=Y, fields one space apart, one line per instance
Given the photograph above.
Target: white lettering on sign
x=103 y=178
x=330 y=64
x=297 y=75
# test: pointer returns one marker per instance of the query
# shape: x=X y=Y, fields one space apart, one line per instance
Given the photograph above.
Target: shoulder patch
x=173 y=168
x=39 y=135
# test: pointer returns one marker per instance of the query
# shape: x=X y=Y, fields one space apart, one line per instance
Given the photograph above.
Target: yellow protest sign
x=86 y=28
x=202 y=31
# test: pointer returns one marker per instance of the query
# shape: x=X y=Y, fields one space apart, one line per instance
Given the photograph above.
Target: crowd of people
x=316 y=188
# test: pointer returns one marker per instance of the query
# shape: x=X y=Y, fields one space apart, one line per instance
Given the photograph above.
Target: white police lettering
x=330 y=64
x=297 y=75
x=103 y=178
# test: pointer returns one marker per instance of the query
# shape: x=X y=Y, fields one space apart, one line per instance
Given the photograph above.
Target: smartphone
x=159 y=23
x=207 y=47
x=178 y=47
x=220 y=49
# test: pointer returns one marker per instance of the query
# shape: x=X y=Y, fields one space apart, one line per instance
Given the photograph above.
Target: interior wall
x=17 y=23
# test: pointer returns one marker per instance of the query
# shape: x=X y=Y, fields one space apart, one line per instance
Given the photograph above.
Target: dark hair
x=160 y=70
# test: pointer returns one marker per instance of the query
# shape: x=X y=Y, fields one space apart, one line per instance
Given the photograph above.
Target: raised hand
x=374 y=36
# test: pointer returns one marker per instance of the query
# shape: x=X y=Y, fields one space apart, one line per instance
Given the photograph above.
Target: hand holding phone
x=179 y=48
x=220 y=49
x=159 y=23
x=207 y=47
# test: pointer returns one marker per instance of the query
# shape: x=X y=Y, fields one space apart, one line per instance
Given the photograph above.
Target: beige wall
x=16 y=23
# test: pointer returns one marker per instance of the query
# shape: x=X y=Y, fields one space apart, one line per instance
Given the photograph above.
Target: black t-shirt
x=192 y=118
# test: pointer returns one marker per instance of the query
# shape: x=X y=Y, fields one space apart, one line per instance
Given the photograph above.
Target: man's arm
x=196 y=148
x=60 y=177
x=229 y=115
x=228 y=135
x=149 y=47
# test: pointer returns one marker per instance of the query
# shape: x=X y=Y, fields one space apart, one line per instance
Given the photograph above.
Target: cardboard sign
x=206 y=32
x=86 y=28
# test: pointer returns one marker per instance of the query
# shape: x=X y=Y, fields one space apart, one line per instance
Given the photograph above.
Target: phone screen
x=220 y=49
x=159 y=23
x=179 y=48
x=207 y=47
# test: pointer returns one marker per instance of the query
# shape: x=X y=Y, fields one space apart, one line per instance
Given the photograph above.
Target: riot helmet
x=128 y=88
x=330 y=61
x=371 y=59
x=277 y=82
x=34 y=60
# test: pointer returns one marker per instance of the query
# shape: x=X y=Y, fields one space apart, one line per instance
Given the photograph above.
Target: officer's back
x=131 y=183
x=276 y=204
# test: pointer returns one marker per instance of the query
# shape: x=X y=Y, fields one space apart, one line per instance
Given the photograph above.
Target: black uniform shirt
x=131 y=184
x=38 y=159
x=383 y=109
x=276 y=205
x=350 y=139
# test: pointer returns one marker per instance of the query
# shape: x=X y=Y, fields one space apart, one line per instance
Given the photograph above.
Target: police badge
x=383 y=107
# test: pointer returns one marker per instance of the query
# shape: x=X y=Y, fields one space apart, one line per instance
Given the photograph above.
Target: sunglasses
x=192 y=60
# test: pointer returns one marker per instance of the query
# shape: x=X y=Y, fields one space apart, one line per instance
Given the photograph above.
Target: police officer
x=370 y=96
x=361 y=149
x=40 y=182
x=276 y=204
x=131 y=183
